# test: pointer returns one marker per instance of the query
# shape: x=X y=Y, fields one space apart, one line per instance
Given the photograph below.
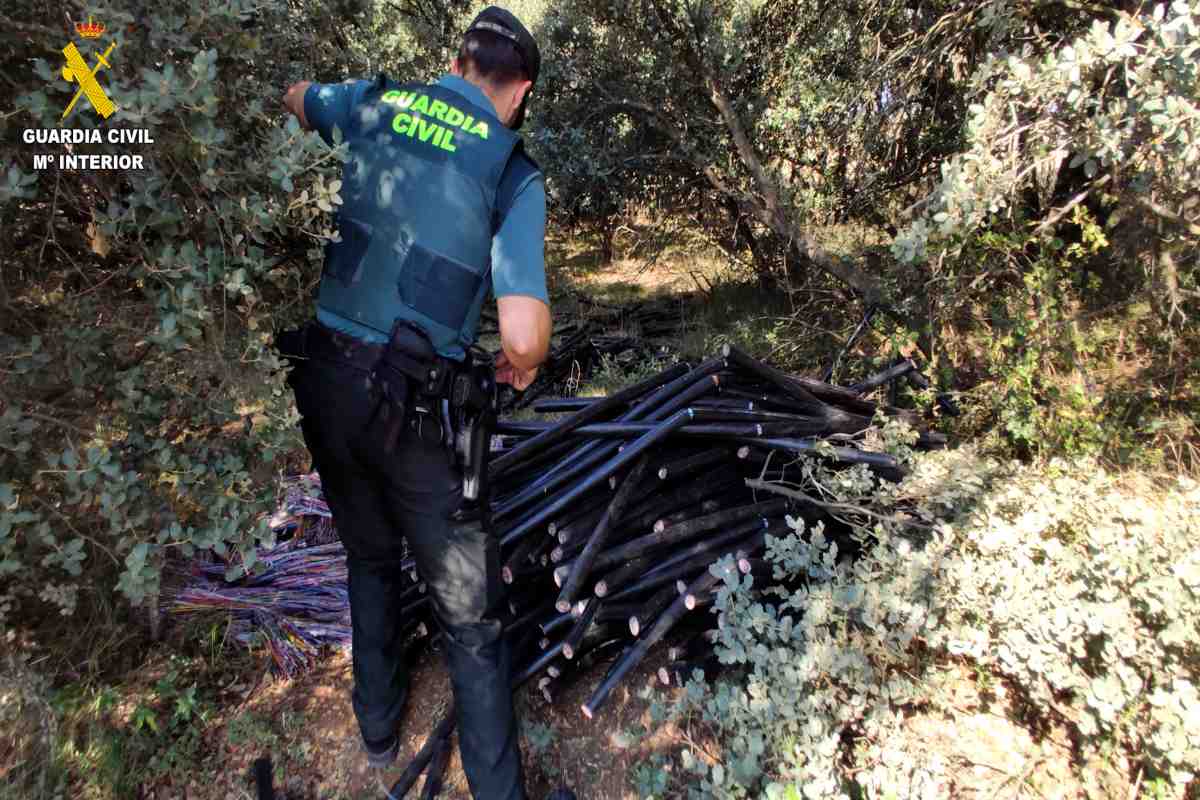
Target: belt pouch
x=393 y=391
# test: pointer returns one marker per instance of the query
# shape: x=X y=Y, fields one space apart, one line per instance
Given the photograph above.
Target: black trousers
x=377 y=498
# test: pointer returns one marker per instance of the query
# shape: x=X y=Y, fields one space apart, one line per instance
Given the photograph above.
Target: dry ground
x=307 y=728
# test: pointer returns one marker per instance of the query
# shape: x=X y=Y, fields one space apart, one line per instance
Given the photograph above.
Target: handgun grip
x=475 y=461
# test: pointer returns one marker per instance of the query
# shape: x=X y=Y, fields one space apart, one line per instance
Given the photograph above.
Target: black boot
x=381 y=755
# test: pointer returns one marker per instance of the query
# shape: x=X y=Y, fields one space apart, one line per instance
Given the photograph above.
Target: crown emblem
x=89 y=29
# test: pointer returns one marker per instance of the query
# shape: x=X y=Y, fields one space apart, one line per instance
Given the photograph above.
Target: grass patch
x=251 y=729
x=614 y=375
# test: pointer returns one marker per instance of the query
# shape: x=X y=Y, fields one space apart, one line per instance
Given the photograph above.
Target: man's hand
x=514 y=376
x=293 y=101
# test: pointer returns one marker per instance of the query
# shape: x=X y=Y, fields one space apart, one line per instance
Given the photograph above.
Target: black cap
x=502 y=22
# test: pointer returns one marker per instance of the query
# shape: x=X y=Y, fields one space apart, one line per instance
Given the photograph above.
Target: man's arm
x=519 y=280
x=293 y=101
x=524 y=336
x=323 y=107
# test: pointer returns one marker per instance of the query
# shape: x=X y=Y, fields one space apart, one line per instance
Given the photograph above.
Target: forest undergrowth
x=1055 y=599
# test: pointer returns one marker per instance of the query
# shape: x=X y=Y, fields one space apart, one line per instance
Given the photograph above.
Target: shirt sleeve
x=519 y=247
x=330 y=104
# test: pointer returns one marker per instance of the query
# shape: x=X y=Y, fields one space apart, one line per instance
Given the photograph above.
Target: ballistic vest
x=419 y=210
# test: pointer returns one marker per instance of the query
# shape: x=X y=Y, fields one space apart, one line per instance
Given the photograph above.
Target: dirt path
x=308 y=729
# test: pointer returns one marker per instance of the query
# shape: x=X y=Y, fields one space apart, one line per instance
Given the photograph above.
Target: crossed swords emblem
x=76 y=69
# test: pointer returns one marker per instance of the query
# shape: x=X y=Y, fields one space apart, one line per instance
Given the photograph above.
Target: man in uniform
x=439 y=203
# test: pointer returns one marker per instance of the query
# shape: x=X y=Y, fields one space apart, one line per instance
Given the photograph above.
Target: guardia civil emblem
x=76 y=70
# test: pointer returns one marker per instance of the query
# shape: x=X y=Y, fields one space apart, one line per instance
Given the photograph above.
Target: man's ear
x=455 y=67
x=518 y=90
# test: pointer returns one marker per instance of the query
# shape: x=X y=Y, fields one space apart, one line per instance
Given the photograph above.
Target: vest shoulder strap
x=517 y=172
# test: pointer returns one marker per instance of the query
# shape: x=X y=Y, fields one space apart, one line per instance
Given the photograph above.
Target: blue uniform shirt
x=518 y=247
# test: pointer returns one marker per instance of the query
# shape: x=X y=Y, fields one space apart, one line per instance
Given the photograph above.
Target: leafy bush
x=663 y=106
x=1081 y=589
x=1119 y=102
x=1061 y=244
x=142 y=414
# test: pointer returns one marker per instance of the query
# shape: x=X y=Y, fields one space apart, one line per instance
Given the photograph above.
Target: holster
x=474 y=402
x=407 y=369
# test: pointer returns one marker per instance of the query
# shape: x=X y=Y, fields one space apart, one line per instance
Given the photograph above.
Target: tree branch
x=1058 y=214
x=845 y=508
x=767 y=210
x=1169 y=215
x=776 y=217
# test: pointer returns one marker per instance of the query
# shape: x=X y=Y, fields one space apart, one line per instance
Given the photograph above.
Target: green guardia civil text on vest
x=411 y=122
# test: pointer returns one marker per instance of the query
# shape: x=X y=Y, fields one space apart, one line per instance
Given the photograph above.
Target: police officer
x=440 y=203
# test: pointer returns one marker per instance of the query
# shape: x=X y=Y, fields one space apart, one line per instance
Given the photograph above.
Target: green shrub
x=142 y=412
x=1120 y=102
x=1055 y=263
x=1082 y=590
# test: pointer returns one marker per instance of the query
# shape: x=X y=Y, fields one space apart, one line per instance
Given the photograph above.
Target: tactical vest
x=418 y=216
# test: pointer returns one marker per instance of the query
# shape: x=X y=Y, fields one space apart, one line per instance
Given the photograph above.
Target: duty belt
x=461 y=397
x=326 y=344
